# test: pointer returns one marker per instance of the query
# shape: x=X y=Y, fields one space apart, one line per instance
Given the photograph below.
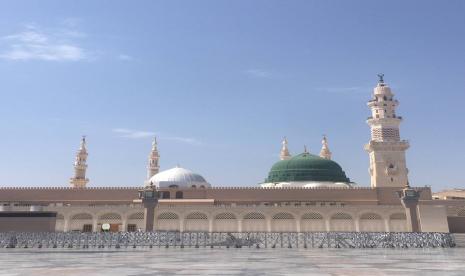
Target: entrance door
x=114 y=227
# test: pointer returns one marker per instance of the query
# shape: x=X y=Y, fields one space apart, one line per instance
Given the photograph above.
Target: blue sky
x=221 y=82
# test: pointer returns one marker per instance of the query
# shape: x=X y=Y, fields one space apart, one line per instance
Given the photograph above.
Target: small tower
x=79 y=180
x=153 y=167
x=388 y=167
x=325 y=152
x=284 y=154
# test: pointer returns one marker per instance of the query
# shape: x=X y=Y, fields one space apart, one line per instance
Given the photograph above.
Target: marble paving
x=245 y=261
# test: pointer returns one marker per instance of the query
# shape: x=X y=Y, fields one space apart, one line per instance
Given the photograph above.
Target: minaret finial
x=325 y=152
x=381 y=78
x=153 y=167
x=83 y=143
x=305 y=149
x=80 y=166
x=284 y=154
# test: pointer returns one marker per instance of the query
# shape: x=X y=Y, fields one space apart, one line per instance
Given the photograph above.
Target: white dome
x=179 y=177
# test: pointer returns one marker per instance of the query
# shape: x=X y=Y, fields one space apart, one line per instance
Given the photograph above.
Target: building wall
x=433 y=218
x=217 y=218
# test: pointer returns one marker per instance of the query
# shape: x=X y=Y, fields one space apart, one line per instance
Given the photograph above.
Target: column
x=149 y=217
x=357 y=225
x=328 y=225
x=95 y=225
x=124 y=225
x=181 y=225
x=386 y=225
x=268 y=225
x=239 y=225
x=297 y=222
x=66 y=224
x=210 y=225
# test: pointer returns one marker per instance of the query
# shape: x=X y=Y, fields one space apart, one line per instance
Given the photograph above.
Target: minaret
x=386 y=150
x=79 y=180
x=284 y=154
x=325 y=152
x=153 y=168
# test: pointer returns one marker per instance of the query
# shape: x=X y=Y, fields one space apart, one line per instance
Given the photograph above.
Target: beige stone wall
x=237 y=219
x=223 y=195
x=433 y=218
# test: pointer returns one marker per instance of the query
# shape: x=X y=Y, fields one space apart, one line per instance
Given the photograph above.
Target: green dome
x=306 y=167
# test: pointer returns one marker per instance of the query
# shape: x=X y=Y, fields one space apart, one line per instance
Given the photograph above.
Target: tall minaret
x=388 y=167
x=153 y=168
x=325 y=152
x=284 y=154
x=79 y=180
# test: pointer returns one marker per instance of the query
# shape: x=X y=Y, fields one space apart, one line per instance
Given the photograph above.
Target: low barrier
x=227 y=240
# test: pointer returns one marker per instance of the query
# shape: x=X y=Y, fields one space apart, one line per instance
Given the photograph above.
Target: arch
x=312 y=216
x=254 y=222
x=138 y=215
x=225 y=216
x=254 y=216
x=461 y=213
x=312 y=222
x=343 y=216
x=167 y=221
x=110 y=216
x=342 y=222
x=283 y=216
x=225 y=222
x=196 y=221
x=168 y=215
x=398 y=222
x=370 y=216
x=135 y=221
x=283 y=222
x=80 y=221
x=197 y=215
x=81 y=216
x=371 y=222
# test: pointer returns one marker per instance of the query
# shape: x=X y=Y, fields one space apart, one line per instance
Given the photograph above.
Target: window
x=132 y=227
x=87 y=228
x=179 y=194
x=165 y=195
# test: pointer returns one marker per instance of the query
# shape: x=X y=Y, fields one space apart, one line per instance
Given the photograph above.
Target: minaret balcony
x=387 y=145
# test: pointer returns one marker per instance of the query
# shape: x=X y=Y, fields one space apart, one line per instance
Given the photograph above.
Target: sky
x=220 y=83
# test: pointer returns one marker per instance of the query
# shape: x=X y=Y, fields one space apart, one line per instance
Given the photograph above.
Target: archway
x=312 y=222
x=254 y=222
x=342 y=222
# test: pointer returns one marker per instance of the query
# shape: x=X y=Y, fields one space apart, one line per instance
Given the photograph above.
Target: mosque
x=301 y=193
